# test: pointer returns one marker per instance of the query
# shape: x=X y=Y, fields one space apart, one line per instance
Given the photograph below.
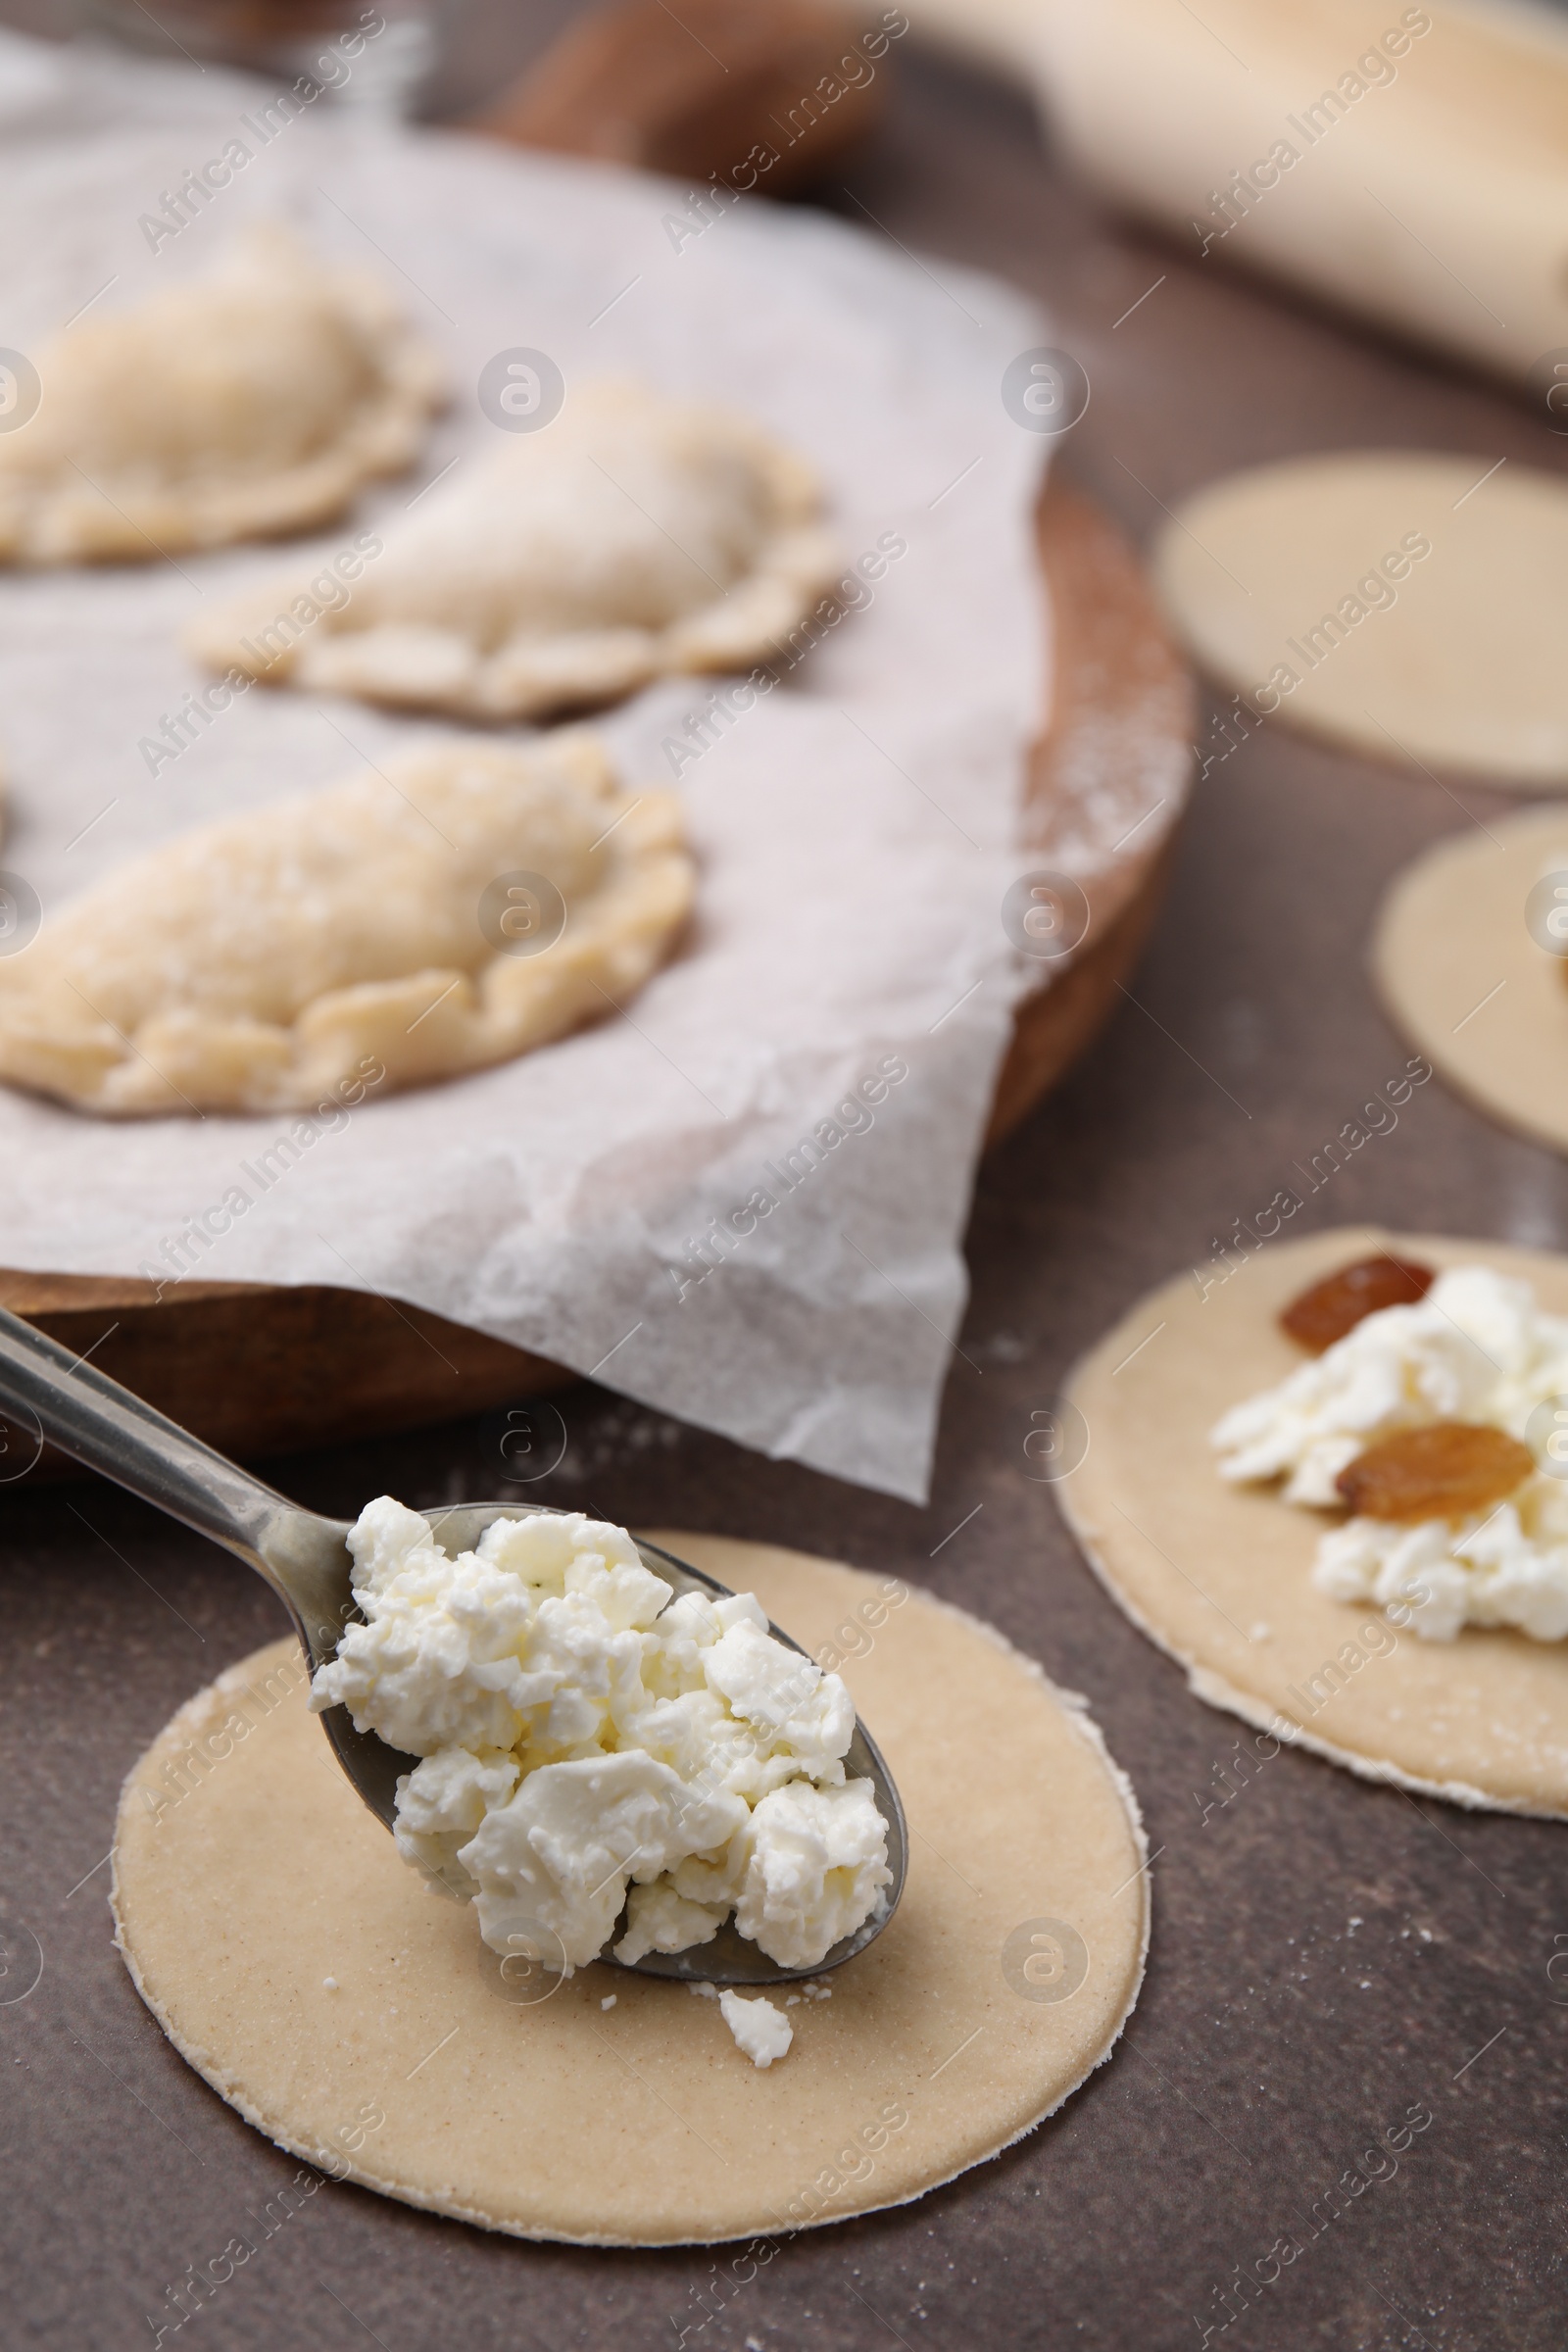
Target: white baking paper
x=853 y=829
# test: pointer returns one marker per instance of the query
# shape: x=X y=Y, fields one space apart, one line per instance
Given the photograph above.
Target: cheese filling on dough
x=583 y=1733
x=1477 y=1349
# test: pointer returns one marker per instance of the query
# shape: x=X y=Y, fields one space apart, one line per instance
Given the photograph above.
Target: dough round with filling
x=1003 y=1979
x=241 y=405
x=363 y=937
x=1461 y=961
x=1306 y=588
x=632 y=536
x=1220 y=1576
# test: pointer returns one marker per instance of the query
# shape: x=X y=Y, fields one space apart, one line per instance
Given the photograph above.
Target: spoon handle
x=51 y=1394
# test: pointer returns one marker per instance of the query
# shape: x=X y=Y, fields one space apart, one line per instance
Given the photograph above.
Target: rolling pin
x=1406 y=161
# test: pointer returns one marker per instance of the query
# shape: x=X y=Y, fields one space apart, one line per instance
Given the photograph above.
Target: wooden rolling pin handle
x=764 y=94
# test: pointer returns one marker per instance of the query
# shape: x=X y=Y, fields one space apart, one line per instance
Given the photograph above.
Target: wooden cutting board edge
x=258 y=1368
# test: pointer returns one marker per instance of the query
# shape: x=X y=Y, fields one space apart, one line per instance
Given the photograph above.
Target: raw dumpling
x=385 y=924
x=238 y=405
x=633 y=535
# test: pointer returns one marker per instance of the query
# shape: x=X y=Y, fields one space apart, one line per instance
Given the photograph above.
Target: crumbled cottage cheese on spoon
x=581 y=1732
x=1476 y=1348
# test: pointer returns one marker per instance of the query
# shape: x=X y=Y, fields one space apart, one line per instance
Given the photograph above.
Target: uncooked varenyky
x=630 y=537
x=263 y=961
x=242 y=405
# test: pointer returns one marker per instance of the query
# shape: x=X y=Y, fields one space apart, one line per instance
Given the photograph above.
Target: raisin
x=1335 y=1305
x=1445 y=1471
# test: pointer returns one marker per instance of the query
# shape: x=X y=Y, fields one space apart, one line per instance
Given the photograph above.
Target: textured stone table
x=1327 y=1956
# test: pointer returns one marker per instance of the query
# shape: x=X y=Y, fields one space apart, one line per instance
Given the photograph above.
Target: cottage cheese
x=1475 y=1349
x=582 y=1733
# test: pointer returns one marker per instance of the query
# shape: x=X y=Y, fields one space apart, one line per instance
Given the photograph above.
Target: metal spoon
x=305 y=1558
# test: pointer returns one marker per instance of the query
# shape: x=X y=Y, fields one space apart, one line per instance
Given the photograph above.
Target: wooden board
x=1122 y=698
x=259 y=1368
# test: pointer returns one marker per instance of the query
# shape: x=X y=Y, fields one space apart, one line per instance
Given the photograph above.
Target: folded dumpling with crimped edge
x=247 y=403
x=455 y=909
x=631 y=537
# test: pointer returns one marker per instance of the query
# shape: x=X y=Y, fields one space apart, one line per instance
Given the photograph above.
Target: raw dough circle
x=644 y=2125
x=1459 y=664
x=1219 y=1575
x=1461 y=973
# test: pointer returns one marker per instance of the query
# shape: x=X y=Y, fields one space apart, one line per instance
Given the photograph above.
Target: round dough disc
x=1463 y=975
x=1458 y=663
x=1219 y=1575
x=1006 y=1975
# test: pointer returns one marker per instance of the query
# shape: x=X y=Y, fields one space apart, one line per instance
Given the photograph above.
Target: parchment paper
x=854 y=829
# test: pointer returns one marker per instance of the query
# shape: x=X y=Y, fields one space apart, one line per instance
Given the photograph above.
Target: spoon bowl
x=305 y=1558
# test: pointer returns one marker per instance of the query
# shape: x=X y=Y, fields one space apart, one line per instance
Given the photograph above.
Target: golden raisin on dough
x=1445 y=1471
x=1326 y=1310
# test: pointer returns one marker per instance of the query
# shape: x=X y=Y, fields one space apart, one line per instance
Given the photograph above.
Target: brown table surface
x=1326 y=1955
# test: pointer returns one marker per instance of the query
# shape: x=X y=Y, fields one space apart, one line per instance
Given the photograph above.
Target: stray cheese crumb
x=761 y=2030
x=609 y=2000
